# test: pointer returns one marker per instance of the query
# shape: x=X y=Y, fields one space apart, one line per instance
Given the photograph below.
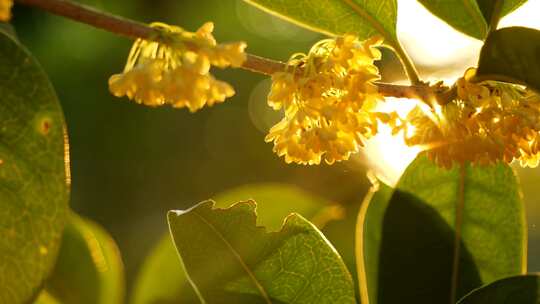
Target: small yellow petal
x=157 y=74
x=327 y=108
x=488 y=122
x=5 y=10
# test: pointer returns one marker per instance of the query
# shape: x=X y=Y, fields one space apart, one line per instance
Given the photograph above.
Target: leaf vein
x=237 y=255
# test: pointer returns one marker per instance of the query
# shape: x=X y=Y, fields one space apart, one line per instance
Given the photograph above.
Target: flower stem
x=496 y=16
x=131 y=29
x=86 y=14
x=457 y=234
x=134 y=29
x=406 y=61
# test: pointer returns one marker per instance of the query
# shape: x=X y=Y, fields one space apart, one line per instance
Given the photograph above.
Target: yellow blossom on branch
x=327 y=97
x=178 y=72
x=487 y=122
x=5 y=10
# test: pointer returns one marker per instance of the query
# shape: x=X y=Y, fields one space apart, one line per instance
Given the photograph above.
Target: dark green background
x=130 y=164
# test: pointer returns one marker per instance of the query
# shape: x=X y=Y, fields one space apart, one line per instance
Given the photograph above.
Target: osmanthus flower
x=177 y=72
x=487 y=122
x=5 y=9
x=327 y=97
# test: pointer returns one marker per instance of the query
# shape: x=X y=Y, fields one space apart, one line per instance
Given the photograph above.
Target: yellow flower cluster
x=178 y=72
x=5 y=10
x=327 y=97
x=486 y=123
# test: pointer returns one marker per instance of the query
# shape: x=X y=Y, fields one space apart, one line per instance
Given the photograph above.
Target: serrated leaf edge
x=253 y=208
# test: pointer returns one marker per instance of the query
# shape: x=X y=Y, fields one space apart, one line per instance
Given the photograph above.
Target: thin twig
x=131 y=29
x=134 y=29
x=95 y=18
x=460 y=204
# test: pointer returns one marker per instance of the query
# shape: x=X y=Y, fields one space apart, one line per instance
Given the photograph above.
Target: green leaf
x=336 y=17
x=511 y=55
x=230 y=260
x=162 y=278
x=89 y=267
x=489 y=7
x=464 y=16
x=519 y=289
x=470 y=17
x=410 y=232
x=33 y=174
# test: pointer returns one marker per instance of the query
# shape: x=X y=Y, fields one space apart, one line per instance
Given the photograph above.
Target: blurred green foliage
x=99 y=275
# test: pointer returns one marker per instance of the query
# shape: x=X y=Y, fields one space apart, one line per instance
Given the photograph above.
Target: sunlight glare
x=525 y=15
x=438 y=49
x=387 y=154
x=440 y=52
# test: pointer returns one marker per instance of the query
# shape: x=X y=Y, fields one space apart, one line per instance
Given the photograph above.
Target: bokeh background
x=131 y=164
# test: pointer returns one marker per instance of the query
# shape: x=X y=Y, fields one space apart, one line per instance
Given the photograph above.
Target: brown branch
x=429 y=94
x=133 y=29
x=262 y=65
x=95 y=18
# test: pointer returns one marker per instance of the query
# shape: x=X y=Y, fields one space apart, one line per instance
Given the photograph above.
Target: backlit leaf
x=33 y=174
x=470 y=17
x=336 y=17
x=489 y=7
x=511 y=54
x=162 y=278
x=407 y=236
x=230 y=260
